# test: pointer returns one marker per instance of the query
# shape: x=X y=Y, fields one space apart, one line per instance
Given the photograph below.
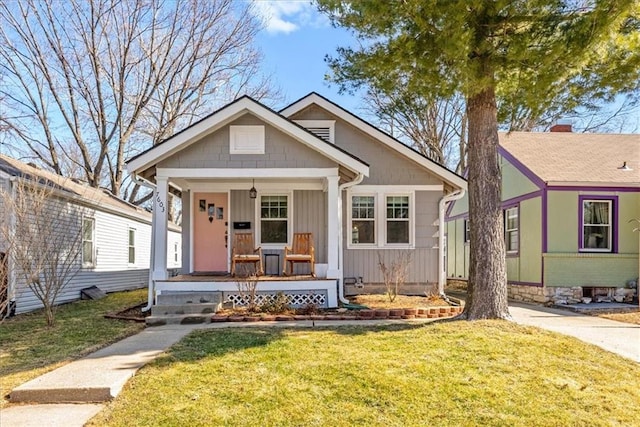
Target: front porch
x=300 y=290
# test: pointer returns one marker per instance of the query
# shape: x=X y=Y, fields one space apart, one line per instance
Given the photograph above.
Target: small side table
x=266 y=264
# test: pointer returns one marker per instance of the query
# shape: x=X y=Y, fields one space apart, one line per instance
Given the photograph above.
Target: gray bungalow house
x=312 y=167
x=569 y=202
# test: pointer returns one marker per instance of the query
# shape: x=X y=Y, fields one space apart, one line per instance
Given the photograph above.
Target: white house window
x=596 y=225
x=132 y=246
x=511 y=224
x=467 y=231
x=363 y=220
x=324 y=129
x=246 y=139
x=397 y=219
x=175 y=252
x=274 y=219
x=88 y=242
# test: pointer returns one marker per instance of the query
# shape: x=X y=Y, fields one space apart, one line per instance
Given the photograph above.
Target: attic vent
x=324 y=133
x=324 y=129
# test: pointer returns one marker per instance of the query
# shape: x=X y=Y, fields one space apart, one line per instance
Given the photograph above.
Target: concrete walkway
x=78 y=387
x=616 y=337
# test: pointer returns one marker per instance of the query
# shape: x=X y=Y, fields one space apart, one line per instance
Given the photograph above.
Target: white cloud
x=288 y=16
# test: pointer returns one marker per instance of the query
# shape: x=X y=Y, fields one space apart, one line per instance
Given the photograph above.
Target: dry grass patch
x=490 y=373
x=632 y=316
x=28 y=348
x=401 y=301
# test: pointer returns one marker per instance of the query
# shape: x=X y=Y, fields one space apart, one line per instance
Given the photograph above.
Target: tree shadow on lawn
x=209 y=343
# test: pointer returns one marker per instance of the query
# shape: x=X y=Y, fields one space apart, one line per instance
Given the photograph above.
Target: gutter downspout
x=442 y=268
x=151 y=284
x=358 y=179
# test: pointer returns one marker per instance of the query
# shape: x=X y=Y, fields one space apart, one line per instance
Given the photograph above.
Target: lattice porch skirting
x=296 y=299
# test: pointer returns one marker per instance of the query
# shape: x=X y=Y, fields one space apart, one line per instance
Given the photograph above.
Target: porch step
x=168 y=309
x=180 y=298
x=177 y=319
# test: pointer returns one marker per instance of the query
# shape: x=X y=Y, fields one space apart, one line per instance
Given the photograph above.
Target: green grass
x=490 y=373
x=28 y=348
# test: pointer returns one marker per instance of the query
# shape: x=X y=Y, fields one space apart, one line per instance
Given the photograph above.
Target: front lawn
x=453 y=374
x=28 y=348
x=631 y=316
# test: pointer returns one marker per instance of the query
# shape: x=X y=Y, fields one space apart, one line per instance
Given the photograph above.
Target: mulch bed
x=133 y=313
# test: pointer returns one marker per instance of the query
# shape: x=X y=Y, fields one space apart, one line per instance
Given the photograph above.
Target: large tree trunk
x=487 y=292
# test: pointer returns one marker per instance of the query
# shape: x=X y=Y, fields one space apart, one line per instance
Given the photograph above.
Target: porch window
x=596 y=225
x=132 y=246
x=274 y=219
x=88 y=242
x=363 y=220
x=511 y=224
x=397 y=219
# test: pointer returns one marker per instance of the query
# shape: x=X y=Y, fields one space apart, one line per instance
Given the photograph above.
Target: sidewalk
x=100 y=376
x=616 y=337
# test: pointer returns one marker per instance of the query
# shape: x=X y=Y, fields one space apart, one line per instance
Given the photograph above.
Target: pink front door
x=210 y=228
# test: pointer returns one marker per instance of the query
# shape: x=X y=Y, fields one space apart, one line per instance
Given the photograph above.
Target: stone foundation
x=527 y=293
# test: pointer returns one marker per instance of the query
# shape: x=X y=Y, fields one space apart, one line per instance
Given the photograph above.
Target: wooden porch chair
x=244 y=252
x=302 y=250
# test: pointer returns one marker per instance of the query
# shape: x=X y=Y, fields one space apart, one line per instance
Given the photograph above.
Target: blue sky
x=295 y=42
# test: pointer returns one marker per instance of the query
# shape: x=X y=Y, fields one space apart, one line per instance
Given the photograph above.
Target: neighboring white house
x=116 y=245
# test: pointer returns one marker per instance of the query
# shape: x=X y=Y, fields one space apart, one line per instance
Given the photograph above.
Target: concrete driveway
x=616 y=337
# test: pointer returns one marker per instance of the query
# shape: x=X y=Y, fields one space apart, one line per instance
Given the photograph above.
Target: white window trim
x=381 y=216
x=583 y=248
x=239 y=135
x=129 y=246
x=376 y=221
x=93 y=242
x=258 y=221
x=510 y=230
x=331 y=124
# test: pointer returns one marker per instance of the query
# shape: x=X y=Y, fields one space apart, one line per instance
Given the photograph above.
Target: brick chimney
x=561 y=127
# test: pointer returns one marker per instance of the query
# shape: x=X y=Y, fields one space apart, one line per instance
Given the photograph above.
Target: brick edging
x=394 y=313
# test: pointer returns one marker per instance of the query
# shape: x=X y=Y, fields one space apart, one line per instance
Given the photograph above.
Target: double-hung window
x=511 y=225
x=88 y=242
x=132 y=246
x=397 y=219
x=274 y=219
x=381 y=218
x=596 y=233
x=363 y=220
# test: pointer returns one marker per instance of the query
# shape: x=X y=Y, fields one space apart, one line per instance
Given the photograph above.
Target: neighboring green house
x=569 y=200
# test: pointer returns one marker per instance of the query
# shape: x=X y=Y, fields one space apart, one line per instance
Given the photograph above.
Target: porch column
x=333 y=227
x=159 y=226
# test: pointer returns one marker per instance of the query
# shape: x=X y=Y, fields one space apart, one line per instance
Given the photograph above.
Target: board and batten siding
x=112 y=271
x=424 y=257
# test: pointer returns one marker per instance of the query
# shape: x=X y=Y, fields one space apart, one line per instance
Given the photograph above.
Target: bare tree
x=395 y=273
x=43 y=240
x=437 y=129
x=89 y=83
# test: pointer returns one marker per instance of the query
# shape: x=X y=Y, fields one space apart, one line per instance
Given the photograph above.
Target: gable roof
x=97 y=197
x=366 y=127
x=227 y=114
x=577 y=158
